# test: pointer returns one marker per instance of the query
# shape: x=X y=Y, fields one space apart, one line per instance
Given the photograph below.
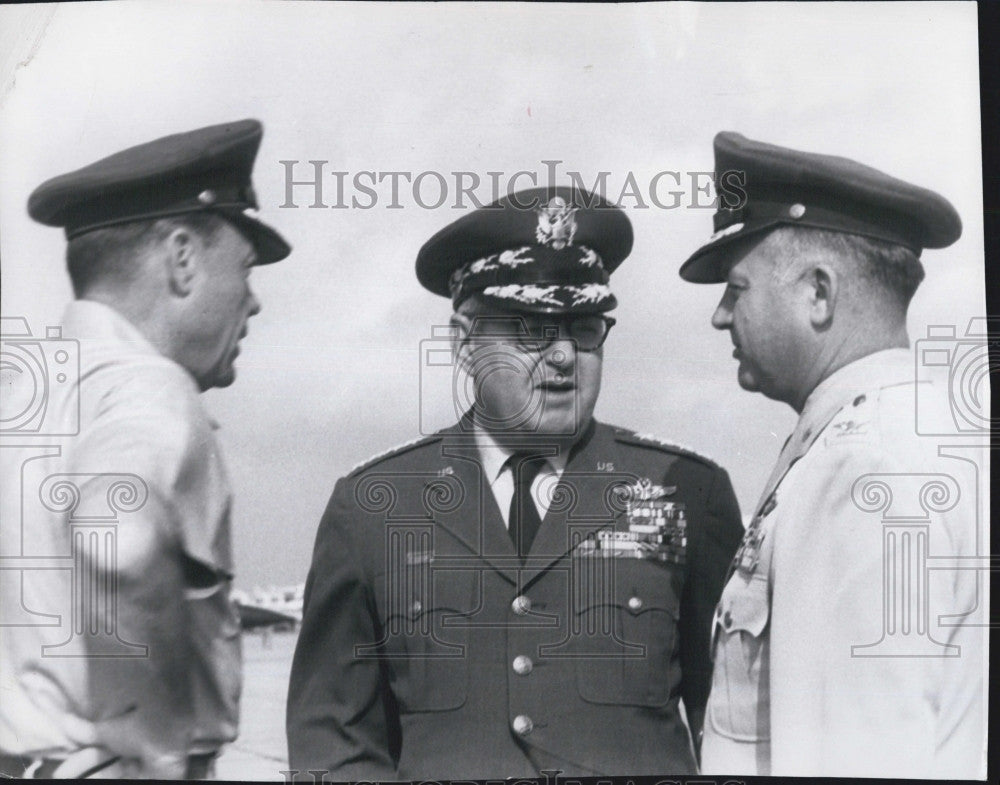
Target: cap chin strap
x=876 y=224
x=237 y=198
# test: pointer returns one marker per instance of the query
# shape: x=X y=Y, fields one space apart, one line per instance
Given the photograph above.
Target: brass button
x=727 y=620
x=521 y=605
x=417 y=606
x=634 y=603
x=797 y=210
x=522 y=725
x=207 y=196
x=523 y=665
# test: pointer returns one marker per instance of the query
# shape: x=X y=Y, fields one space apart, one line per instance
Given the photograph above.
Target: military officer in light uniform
x=837 y=650
x=122 y=658
x=529 y=590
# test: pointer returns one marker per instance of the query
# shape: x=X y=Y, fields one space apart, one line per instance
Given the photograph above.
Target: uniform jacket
x=426 y=650
x=852 y=648
x=121 y=453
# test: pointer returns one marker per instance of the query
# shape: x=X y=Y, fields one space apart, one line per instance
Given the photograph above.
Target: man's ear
x=182 y=260
x=824 y=287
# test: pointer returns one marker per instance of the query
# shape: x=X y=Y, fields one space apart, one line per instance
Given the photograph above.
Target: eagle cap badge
x=556 y=223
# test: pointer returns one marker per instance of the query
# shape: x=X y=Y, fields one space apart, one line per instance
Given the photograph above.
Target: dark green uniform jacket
x=427 y=651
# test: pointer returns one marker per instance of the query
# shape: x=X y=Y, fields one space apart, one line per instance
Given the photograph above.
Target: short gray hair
x=109 y=253
x=890 y=268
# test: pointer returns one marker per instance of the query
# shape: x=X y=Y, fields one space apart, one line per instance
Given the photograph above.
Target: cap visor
x=270 y=246
x=708 y=263
x=704 y=266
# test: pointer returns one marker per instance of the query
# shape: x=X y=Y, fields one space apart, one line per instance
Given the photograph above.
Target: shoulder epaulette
x=656 y=443
x=392 y=452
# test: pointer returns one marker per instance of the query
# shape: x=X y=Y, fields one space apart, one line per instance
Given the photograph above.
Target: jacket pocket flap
x=446 y=593
x=632 y=598
x=748 y=610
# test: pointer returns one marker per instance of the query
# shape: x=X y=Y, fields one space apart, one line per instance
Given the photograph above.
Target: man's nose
x=722 y=319
x=254 y=305
x=561 y=352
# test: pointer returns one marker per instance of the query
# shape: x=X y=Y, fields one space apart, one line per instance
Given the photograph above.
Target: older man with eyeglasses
x=529 y=591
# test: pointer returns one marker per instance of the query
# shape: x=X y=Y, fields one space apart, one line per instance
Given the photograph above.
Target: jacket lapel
x=476 y=522
x=583 y=503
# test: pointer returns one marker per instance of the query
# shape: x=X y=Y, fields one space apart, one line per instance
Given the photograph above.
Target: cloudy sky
x=331 y=371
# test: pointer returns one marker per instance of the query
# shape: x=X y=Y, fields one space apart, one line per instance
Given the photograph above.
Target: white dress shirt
x=493 y=458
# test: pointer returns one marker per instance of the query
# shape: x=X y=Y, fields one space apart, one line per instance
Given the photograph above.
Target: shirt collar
x=92 y=320
x=880 y=369
x=493 y=457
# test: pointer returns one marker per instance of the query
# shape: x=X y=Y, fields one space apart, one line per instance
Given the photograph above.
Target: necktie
x=524 y=521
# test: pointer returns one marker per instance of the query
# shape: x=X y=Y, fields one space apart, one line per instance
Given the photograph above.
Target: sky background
x=331 y=371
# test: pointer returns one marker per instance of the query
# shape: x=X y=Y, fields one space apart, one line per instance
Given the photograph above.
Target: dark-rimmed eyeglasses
x=533 y=333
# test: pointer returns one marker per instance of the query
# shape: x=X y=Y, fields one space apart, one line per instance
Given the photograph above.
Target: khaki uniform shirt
x=118 y=630
x=847 y=643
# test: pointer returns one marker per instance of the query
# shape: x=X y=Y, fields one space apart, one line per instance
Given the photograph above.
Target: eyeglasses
x=536 y=333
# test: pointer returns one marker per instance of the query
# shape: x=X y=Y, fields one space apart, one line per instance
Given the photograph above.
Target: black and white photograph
x=434 y=391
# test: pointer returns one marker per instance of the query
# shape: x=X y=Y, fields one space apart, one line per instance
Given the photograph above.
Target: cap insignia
x=556 y=223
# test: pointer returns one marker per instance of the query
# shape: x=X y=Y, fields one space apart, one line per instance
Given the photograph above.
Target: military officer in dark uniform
x=529 y=590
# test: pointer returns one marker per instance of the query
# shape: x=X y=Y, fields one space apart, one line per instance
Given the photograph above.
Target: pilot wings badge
x=657 y=528
x=556 y=223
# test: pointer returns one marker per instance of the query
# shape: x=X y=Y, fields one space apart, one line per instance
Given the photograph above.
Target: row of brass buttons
x=522 y=724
